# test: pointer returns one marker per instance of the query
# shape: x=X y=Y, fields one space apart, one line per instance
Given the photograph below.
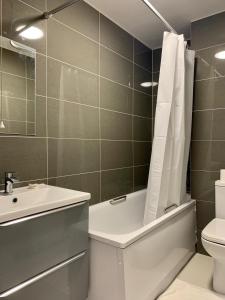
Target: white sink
x=39 y=199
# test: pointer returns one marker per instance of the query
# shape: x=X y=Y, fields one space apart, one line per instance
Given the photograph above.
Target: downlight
x=220 y=55
x=148 y=84
x=31 y=33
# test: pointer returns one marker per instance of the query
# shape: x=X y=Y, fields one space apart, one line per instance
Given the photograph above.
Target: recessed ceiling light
x=148 y=84
x=220 y=55
x=31 y=33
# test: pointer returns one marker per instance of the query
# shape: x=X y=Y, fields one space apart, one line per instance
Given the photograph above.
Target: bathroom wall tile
x=69 y=83
x=31 y=129
x=115 y=126
x=116 y=183
x=116 y=154
x=13 y=62
x=140 y=177
x=209 y=94
x=203 y=185
x=207 y=32
x=142 y=129
x=140 y=76
x=15 y=13
x=114 y=96
x=13 y=86
x=115 y=38
x=89 y=182
x=39 y=4
x=202 y=127
x=30 y=89
x=208 y=156
x=80 y=16
x=26 y=156
x=207 y=65
x=142 y=104
x=142 y=153
x=70 y=120
x=31 y=111
x=218 y=125
x=142 y=55
x=116 y=68
x=85 y=56
x=200 y=248
x=14 y=109
x=157 y=53
x=154 y=104
x=40 y=116
x=205 y=213
x=72 y=156
x=155 y=79
x=41 y=75
x=14 y=127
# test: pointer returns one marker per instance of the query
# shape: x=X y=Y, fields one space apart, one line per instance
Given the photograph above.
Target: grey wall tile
x=115 y=97
x=142 y=153
x=72 y=84
x=71 y=120
x=89 y=182
x=140 y=177
x=157 y=53
x=13 y=62
x=80 y=16
x=116 y=68
x=69 y=156
x=13 y=12
x=205 y=213
x=202 y=127
x=203 y=185
x=14 y=127
x=41 y=75
x=13 y=86
x=115 y=38
x=142 y=104
x=142 y=55
x=140 y=76
x=208 y=31
x=142 y=129
x=40 y=4
x=116 y=183
x=155 y=79
x=116 y=126
x=116 y=154
x=209 y=94
x=85 y=56
x=41 y=116
x=26 y=156
x=31 y=111
x=208 y=156
x=207 y=65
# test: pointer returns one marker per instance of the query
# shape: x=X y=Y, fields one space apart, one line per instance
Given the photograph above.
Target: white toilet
x=213 y=238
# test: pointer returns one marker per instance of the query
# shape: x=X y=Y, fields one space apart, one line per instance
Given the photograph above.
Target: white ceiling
x=138 y=20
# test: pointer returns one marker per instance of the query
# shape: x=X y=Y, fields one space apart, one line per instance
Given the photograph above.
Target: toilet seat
x=215 y=231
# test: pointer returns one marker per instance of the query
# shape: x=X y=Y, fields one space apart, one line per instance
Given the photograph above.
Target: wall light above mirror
x=17 y=88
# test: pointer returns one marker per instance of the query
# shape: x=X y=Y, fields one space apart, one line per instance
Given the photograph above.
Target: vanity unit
x=44 y=244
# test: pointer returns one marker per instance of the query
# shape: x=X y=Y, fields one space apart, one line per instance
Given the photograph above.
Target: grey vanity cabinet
x=46 y=255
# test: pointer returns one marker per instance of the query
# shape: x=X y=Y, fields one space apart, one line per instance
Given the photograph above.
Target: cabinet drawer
x=67 y=281
x=31 y=245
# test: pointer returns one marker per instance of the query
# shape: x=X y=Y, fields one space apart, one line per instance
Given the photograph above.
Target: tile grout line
x=46 y=100
x=99 y=103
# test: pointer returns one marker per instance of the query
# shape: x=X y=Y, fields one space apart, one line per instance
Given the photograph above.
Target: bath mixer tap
x=10 y=179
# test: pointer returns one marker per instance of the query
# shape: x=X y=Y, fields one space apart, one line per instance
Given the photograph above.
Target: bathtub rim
x=124 y=240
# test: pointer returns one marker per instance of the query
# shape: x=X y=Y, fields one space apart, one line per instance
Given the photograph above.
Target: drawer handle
x=40 y=276
x=45 y=213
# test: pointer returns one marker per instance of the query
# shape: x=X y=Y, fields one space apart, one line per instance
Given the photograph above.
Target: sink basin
x=26 y=201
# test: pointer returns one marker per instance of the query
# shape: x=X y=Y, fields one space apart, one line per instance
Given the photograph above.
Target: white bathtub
x=129 y=261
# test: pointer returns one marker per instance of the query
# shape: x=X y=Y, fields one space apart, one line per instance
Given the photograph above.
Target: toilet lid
x=215 y=231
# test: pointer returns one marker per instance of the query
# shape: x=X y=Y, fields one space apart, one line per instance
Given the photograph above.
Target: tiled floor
x=194 y=282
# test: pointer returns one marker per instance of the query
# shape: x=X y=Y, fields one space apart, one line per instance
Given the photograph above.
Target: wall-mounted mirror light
x=220 y=55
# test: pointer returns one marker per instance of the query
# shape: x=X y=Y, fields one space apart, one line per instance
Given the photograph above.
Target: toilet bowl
x=213 y=240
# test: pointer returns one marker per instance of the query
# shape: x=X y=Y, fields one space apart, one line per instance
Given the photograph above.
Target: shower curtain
x=172 y=133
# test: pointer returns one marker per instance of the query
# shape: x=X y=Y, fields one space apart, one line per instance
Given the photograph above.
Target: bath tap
x=10 y=179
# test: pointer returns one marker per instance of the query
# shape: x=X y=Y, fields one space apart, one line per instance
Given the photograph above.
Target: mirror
x=17 y=88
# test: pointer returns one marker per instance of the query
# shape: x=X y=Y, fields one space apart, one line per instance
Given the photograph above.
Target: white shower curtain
x=172 y=134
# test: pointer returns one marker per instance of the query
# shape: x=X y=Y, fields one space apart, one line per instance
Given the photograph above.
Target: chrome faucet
x=10 y=179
